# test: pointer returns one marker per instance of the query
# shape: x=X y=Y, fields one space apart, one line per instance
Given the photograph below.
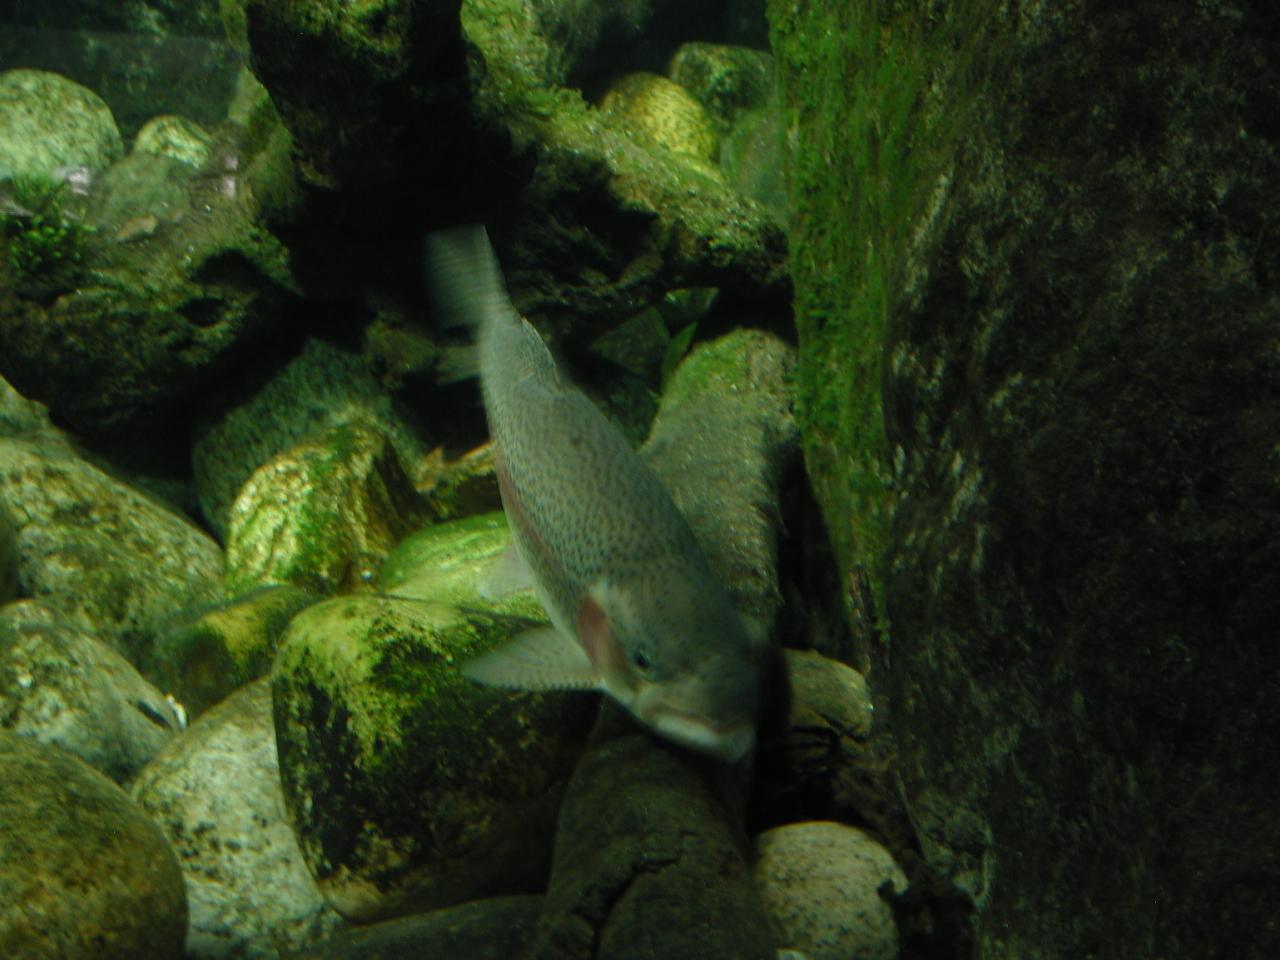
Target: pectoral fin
x=539 y=659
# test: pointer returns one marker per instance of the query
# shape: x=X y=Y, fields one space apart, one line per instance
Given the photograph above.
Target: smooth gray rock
x=215 y=793
x=61 y=685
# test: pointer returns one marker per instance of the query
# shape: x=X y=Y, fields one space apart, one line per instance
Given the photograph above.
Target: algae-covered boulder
x=410 y=786
x=108 y=558
x=203 y=654
x=321 y=515
x=173 y=277
x=49 y=123
x=662 y=114
x=175 y=137
x=1032 y=253
x=244 y=426
x=83 y=871
x=345 y=76
x=726 y=80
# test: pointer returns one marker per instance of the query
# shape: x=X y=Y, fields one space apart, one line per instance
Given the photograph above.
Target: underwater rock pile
x=245 y=502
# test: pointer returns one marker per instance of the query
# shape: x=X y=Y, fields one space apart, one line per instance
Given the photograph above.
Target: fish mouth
x=726 y=741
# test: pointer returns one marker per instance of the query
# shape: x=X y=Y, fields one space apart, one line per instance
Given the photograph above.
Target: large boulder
x=49 y=123
x=410 y=787
x=109 y=559
x=60 y=684
x=83 y=872
x=215 y=793
x=1061 y=253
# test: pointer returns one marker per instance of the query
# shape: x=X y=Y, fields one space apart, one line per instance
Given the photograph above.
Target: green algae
x=877 y=99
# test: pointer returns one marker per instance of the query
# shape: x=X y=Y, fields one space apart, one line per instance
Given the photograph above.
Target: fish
x=636 y=610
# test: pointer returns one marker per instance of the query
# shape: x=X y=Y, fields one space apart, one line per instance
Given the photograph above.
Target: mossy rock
x=661 y=113
x=323 y=514
x=726 y=80
x=217 y=649
x=49 y=123
x=8 y=555
x=175 y=137
x=443 y=563
x=411 y=787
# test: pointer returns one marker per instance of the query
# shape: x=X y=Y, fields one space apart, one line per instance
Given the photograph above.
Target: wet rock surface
x=59 y=684
x=1080 y=307
x=107 y=557
x=216 y=796
x=83 y=872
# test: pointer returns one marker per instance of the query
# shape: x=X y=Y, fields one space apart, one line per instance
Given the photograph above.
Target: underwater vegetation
x=40 y=235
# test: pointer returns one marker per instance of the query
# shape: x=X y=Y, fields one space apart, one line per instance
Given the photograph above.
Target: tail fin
x=462 y=271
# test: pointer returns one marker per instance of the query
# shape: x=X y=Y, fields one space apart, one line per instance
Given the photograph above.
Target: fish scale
x=636 y=609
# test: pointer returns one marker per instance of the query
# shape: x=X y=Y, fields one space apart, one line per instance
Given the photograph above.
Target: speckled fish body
x=607 y=550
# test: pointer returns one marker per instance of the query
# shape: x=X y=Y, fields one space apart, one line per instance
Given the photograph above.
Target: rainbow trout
x=636 y=611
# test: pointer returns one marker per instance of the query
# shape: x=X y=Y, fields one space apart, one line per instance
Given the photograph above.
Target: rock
x=1070 y=314
x=411 y=787
x=61 y=685
x=176 y=266
x=820 y=882
x=84 y=874
x=726 y=80
x=319 y=388
x=636 y=346
x=8 y=555
x=203 y=655
x=110 y=560
x=176 y=138
x=722 y=438
x=322 y=515
x=341 y=78
x=649 y=846
x=650 y=840
x=215 y=793
x=458 y=488
x=442 y=564
x=661 y=113
x=828 y=695
x=24 y=419
x=753 y=158
x=495 y=929
x=49 y=124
